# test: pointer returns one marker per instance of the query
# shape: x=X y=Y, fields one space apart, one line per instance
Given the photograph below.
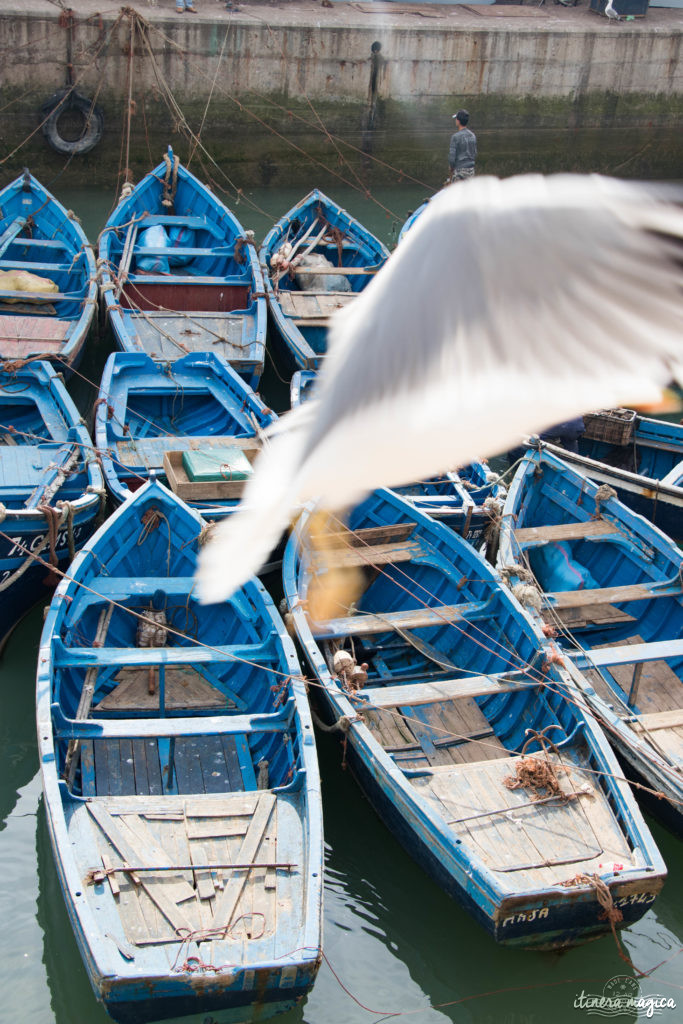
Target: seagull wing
x=509 y=306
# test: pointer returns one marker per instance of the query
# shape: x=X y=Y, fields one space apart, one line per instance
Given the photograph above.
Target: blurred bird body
x=510 y=306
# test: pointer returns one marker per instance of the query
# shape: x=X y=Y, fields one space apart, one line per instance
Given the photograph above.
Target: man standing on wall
x=463 y=148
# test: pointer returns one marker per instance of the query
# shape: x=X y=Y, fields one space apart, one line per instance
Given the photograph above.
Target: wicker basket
x=614 y=426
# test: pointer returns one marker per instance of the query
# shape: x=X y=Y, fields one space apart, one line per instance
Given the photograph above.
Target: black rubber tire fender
x=93 y=122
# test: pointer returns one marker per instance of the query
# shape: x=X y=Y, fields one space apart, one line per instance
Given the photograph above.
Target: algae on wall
x=296 y=103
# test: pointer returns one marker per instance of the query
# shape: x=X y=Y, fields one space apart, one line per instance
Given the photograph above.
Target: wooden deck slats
x=201 y=764
x=26 y=331
x=442 y=732
x=185 y=688
x=227 y=901
x=161 y=890
x=305 y=306
x=590 y=528
x=196 y=839
x=535 y=845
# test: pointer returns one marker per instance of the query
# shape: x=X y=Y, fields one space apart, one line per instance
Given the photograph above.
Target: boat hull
x=438 y=739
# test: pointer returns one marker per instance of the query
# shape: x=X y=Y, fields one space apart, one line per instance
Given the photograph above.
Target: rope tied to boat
x=53 y=519
x=539 y=773
x=603 y=494
x=279 y=691
x=67 y=510
x=528 y=595
x=351 y=675
x=609 y=911
x=170 y=181
x=192 y=964
x=205 y=534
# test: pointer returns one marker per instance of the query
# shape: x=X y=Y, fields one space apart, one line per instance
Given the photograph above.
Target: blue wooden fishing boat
x=51 y=487
x=463 y=499
x=412 y=217
x=180 y=274
x=452 y=711
x=48 y=283
x=314 y=261
x=180 y=776
x=153 y=417
x=612 y=589
x=641 y=458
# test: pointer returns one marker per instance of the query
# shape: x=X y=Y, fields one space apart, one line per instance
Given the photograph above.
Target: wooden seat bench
x=659 y=720
x=610 y=595
x=533 y=536
x=373 y=546
x=365 y=624
x=414 y=694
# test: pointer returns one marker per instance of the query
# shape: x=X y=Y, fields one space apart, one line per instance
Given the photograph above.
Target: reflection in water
x=71 y=996
x=18 y=758
x=433 y=953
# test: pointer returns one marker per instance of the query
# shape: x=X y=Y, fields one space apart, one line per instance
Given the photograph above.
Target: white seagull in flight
x=509 y=306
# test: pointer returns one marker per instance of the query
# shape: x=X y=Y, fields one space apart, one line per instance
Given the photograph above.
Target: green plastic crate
x=213 y=465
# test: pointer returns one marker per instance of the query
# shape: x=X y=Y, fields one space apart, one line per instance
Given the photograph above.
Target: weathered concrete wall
x=382 y=79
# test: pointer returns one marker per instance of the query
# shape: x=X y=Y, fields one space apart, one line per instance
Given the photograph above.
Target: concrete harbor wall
x=371 y=86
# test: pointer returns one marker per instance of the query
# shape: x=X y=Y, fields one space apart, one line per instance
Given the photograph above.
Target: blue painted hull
x=302 y=335
x=612 y=591
x=200 y=797
x=38 y=236
x=181 y=275
x=435 y=776
x=647 y=473
x=146 y=410
x=46 y=460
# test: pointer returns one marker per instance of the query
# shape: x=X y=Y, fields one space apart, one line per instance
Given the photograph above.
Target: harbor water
x=394 y=944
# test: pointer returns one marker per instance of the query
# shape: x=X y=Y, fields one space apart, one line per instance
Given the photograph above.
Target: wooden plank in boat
x=185 y=688
x=365 y=623
x=476 y=739
x=232 y=763
x=576 y=618
x=217 y=828
x=169 y=336
x=313 y=305
x=358 y=538
x=590 y=528
x=25 y=331
x=391 y=731
x=605 y=595
x=153 y=852
x=659 y=688
x=427 y=693
x=371 y=554
x=205 y=887
x=229 y=898
x=540 y=835
x=659 y=720
x=421 y=722
x=160 y=890
x=214 y=770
